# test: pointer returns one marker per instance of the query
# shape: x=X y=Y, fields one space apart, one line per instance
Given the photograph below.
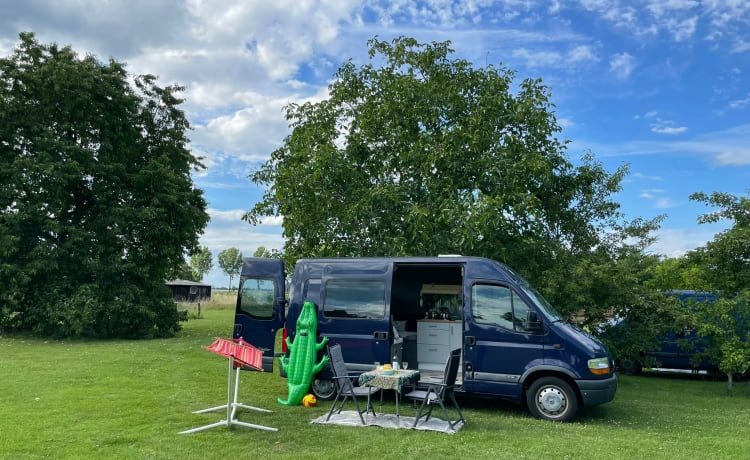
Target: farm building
x=189 y=291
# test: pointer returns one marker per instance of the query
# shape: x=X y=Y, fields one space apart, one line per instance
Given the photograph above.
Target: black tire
x=323 y=389
x=630 y=366
x=553 y=399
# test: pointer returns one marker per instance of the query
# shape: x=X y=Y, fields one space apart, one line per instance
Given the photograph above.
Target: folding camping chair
x=437 y=394
x=345 y=386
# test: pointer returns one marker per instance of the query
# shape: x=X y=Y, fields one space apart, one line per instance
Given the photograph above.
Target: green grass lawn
x=130 y=399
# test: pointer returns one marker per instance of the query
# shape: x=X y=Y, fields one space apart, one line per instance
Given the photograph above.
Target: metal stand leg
x=398 y=415
x=231 y=406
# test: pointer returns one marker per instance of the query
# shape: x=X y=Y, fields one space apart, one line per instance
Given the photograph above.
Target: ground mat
x=350 y=418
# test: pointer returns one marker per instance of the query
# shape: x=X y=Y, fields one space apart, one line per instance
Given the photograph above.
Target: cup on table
x=404 y=365
x=377 y=365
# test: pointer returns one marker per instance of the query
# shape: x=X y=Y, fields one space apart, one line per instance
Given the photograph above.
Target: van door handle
x=470 y=340
x=380 y=335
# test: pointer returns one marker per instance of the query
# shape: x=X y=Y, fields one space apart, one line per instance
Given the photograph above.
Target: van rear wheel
x=323 y=389
x=552 y=398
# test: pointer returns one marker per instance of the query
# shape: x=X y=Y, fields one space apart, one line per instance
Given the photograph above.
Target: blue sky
x=660 y=85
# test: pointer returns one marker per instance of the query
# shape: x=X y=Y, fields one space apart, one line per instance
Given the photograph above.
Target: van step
x=428 y=376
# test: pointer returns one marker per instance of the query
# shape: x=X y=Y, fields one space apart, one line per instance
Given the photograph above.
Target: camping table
x=394 y=381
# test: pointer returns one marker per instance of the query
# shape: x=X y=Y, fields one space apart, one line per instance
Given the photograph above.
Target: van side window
x=499 y=306
x=256 y=297
x=311 y=291
x=349 y=298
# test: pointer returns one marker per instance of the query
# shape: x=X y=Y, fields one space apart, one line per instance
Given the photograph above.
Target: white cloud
x=657 y=199
x=667 y=128
x=250 y=133
x=227 y=230
x=661 y=126
x=661 y=8
x=741 y=46
x=582 y=53
x=639 y=175
x=565 y=122
x=682 y=29
x=6 y=46
x=242 y=61
x=650 y=193
x=677 y=19
x=622 y=65
x=551 y=58
x=676 y=242
x=665 y=203
x=554 y=7
x=738 y=104
x=724 y=13
x=728 y=147
x=535 y=59
x=738 y=157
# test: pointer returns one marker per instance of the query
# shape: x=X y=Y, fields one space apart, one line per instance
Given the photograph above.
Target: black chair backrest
x=338 y=365
x=451 y=370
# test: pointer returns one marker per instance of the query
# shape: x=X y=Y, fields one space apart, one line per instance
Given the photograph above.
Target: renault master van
x=513 y=344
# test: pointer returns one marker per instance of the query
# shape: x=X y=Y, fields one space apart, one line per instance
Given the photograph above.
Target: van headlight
x=599 y=366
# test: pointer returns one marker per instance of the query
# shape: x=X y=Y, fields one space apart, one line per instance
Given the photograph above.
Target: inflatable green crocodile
x=300 y=366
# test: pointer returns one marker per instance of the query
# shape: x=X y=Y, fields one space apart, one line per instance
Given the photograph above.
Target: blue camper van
x=675 y=350
x=513 y=344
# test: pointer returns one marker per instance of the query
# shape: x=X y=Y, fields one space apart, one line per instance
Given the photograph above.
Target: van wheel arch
x=552 y=397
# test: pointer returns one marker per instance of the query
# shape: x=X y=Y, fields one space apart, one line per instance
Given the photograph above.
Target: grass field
x=130 y=399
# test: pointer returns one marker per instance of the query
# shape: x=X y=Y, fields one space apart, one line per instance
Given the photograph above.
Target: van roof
x=401 y=259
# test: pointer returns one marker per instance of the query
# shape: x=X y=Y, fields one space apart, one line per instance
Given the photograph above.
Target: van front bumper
x=595 y=392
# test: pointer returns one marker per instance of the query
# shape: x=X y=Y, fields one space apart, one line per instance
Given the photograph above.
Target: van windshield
x=547 y=309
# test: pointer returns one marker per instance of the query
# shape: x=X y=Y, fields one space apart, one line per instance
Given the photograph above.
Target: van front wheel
x=551 y=398
x=323 y=389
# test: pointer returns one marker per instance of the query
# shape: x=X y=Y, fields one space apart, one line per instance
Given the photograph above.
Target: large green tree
x=726 y=259
x=419 y=153
x=722 y=266
x=230 y=262
x=725 y=264
x=97 y=204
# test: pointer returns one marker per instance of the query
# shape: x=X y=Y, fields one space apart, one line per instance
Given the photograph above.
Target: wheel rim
x=551 y=401
x=323 y=389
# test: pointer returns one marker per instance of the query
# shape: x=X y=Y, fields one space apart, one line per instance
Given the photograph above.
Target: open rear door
x=260 y=305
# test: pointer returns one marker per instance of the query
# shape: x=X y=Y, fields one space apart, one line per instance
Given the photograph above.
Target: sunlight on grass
x=130 y=399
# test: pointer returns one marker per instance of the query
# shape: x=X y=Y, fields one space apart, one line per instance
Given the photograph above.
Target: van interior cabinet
x=435 y=340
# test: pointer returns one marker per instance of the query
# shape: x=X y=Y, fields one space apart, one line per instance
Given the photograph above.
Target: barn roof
x=186 y=283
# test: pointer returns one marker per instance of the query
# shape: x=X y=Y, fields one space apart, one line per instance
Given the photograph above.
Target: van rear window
x=352 y=298
x=256 y=297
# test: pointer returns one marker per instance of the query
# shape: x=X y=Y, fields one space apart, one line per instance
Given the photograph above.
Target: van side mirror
x=533 y=324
